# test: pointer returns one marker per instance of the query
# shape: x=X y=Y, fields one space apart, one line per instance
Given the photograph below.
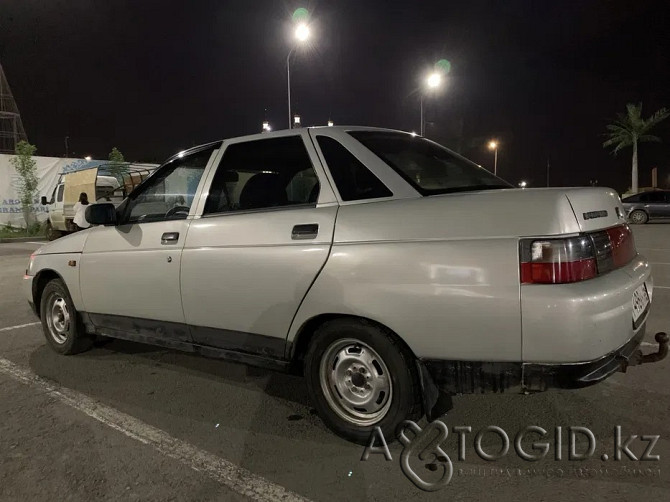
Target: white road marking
x=20 y=326
x=225 y=472
x=661 y=287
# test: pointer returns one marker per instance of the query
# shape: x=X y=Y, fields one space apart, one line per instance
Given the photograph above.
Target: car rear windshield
x=430 y=168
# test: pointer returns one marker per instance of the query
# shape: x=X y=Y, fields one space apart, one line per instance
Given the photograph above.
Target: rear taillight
x=574 y=259
x=623 y=245
x=557 y=261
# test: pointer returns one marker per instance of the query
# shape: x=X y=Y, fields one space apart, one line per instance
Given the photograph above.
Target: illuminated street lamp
x=296 y=121
x=301 y=34
x=433 y=81
x=266 y=126
x=330 y=123
x=88 y=157
x=523 y=184
x=493 y=145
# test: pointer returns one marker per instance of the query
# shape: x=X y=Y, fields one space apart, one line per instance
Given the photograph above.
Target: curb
x=7 y=240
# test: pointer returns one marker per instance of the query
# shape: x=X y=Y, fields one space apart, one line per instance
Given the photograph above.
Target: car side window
x=59 y=195
x=261 y=174
x=169 y=194
x=354 y=181
x=652 y=197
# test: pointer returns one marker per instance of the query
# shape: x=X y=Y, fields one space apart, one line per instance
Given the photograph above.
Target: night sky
x=154 y=77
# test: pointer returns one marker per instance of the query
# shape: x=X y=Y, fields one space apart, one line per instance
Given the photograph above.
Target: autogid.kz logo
x=427 y=448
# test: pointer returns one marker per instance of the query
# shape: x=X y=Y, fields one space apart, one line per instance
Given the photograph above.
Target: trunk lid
x=595 y=208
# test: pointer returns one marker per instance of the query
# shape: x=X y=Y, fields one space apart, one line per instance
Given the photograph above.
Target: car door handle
x=170 y=238
x=309 y=231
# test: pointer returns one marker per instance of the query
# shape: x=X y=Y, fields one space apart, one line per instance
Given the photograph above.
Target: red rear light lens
x=558 y=273
x=558 y=261
x=623 y=245
x=574 y=259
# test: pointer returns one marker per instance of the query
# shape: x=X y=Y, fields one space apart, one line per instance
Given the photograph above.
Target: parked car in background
x=646 y=206
x=390 y=271
x=97 y=185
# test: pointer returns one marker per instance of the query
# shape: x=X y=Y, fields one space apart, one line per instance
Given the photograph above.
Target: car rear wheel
x=51 y=233
x=638 y=217
x=359 y=377
x=60 y=321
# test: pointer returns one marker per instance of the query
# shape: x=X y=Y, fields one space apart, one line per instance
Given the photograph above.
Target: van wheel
x=638 y=217
x=60 y=322
x=359 y=378
x=51 y=233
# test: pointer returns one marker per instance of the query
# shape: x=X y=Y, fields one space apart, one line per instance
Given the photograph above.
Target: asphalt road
x=130 y=421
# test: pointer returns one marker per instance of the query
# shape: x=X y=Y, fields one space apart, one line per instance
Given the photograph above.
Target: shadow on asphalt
x=122 y=372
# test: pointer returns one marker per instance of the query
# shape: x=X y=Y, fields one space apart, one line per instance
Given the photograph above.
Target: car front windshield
x=430 y=168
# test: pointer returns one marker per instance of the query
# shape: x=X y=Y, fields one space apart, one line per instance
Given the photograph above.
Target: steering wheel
x=177 y=209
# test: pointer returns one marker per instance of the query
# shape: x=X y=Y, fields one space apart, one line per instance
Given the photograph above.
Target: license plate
x=640 y=302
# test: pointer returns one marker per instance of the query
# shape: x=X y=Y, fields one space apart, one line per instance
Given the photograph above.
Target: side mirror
x=43 y=200
x=101 y=214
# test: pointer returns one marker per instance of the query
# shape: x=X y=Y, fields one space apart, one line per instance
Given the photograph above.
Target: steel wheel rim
x=637 y=217
x=58 y=318
x=356 y=382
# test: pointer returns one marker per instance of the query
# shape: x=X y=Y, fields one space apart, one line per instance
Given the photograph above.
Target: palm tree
x=629 y=129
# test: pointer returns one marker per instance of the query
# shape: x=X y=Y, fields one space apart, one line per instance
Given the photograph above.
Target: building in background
x=11 y=127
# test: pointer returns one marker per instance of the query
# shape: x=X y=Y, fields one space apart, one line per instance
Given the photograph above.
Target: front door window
x=169 y=194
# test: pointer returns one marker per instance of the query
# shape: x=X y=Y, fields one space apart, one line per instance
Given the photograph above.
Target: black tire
x=51 y=233
x=322 y=363
x=638 y=217
x=61 y=324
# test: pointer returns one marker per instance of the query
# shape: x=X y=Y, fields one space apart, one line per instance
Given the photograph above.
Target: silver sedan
x=390 y=271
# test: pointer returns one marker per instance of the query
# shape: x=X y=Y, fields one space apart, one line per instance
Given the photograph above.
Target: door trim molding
x=247 y=348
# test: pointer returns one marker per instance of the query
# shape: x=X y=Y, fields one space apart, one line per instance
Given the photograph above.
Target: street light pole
x=493 y=145
x=432 y=82
x=423 y=124
x=288 y=82
x=302 y=33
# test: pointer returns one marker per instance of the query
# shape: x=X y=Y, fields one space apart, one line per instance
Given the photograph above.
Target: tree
x=26 y=184
x=117 y=165
x=630 y=129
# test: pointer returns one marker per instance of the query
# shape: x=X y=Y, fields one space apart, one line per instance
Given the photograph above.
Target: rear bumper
x=539 y=377
x=469 y=377
x=583 y=321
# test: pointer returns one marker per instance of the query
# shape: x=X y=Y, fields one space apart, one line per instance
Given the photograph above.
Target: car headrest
x=230 y=176
x=263 y=190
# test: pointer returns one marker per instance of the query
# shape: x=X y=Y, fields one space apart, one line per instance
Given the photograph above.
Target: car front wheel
x=638 y=217
x=359 y=377
x=60 y=321
x=51 y=233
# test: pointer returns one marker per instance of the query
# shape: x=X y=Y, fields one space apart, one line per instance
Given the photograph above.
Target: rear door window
x=354 y=181
x=263 y=174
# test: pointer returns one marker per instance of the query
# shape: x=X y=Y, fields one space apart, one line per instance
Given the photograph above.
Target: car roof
x=278 y=134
